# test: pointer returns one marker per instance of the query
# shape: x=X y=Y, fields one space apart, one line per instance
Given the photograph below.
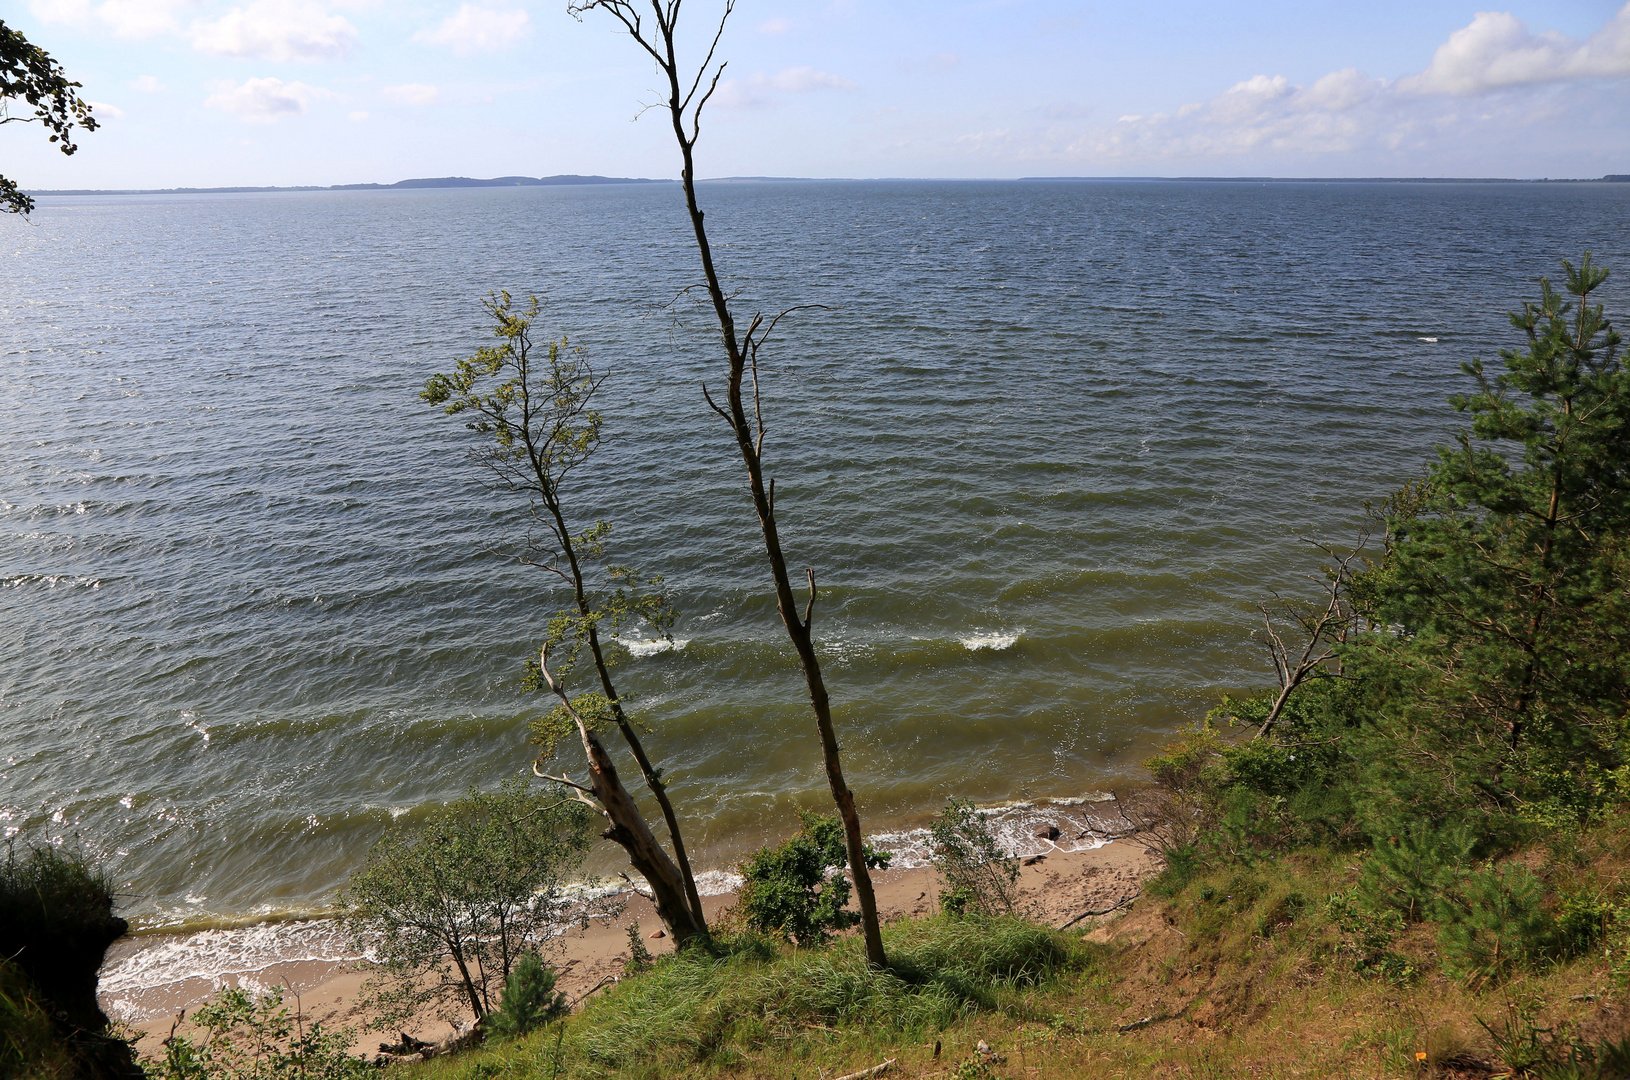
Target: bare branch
x=714 y=406
x=1325 y=628
x=809 y=608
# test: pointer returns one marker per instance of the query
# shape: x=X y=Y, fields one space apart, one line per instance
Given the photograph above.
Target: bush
x=56 y=923
x=1494 y=923
x=530 y=999
x=976 y=875
x=447 y=908
x=30 y=1045
x=639 y=957
x=788 y=890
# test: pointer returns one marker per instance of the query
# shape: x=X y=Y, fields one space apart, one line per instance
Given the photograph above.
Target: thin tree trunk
x=798 y=629
x=749 y=435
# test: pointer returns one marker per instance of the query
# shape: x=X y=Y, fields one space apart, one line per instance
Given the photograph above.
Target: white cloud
x=759 y=90
x=141 y=18
x=147 y=84
x=60 y=11
x=411 y=94
x=357 y=117
x=1498 y=50
x=472 y=29
x=264 y=101
x=276 y=30
x=104 y=111
x=1347 y=111
x=774 y=26
x=126 y=18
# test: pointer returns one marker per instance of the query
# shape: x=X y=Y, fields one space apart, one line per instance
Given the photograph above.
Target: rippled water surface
x=1043 y=446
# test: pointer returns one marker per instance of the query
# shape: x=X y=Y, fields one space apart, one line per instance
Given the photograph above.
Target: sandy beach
x=1056 y=886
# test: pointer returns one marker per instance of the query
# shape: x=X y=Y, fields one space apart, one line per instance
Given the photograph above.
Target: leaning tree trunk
x=627 y=829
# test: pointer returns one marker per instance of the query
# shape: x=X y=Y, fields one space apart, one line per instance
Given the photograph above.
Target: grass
x=1249 y=968
x=30 y=1046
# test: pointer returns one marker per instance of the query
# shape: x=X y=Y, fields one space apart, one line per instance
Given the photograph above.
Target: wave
x=51 y=581
x=127 y=982
x=1022 y=829
x=652 y=646
x=994 y=641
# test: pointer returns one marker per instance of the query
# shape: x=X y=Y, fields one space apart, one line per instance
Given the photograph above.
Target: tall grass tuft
x=694 y=1006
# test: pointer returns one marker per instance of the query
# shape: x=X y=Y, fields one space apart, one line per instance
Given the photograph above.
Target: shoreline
x=148 y=979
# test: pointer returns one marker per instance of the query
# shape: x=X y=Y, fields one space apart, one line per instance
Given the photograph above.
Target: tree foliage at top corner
x=28 y=74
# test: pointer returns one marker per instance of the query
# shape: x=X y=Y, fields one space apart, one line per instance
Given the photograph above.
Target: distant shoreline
x=572 y=180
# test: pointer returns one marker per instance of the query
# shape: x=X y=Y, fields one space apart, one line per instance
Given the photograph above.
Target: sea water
x=1043 y=445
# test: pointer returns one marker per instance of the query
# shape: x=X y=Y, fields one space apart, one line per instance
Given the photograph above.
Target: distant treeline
x=426 y=182
x=571 y=178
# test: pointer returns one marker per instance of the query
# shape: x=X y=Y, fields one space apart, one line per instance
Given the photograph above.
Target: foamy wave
x=718 y=882
x=994 y=642
x=138 y=979
x=51 y=581
x=652 y=646
x=217 y=955
x=1018 y=828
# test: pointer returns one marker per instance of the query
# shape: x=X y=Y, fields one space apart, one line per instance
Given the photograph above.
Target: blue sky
x=205 y=92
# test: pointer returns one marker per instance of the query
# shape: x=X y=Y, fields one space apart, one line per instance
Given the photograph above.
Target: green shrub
x=447 y=907
x=976 y=875
x=1493 y=923
x=788 y=891
x=56 y=923
x=1410 y=869
x=1369 y=934
x=639 y=957
x=30 y=1045
x=530 y=999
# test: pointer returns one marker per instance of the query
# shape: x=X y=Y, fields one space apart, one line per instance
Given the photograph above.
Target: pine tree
x=1505 y=659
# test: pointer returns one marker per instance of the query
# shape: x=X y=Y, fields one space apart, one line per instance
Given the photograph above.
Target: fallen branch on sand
x=1122 y=902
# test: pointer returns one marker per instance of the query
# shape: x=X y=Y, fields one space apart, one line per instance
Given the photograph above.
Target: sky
x=282 y=92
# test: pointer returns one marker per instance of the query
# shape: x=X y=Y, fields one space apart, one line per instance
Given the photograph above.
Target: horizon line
x=582 y=180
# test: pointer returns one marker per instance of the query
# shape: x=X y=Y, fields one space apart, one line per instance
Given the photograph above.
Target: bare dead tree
x=652 y=24
x=1325 y=626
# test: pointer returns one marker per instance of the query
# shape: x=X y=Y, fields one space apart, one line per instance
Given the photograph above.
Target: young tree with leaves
x=653 y=25
x=450 y=907
x=29 y=75
x=539 y=412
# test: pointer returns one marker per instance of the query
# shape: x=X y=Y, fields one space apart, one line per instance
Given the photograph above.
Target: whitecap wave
x=652 y=646
x=996 y=642
x=718 y=882
x=1020 y=829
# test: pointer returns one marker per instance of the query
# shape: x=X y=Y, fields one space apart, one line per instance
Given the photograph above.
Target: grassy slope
x=1244 y=970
